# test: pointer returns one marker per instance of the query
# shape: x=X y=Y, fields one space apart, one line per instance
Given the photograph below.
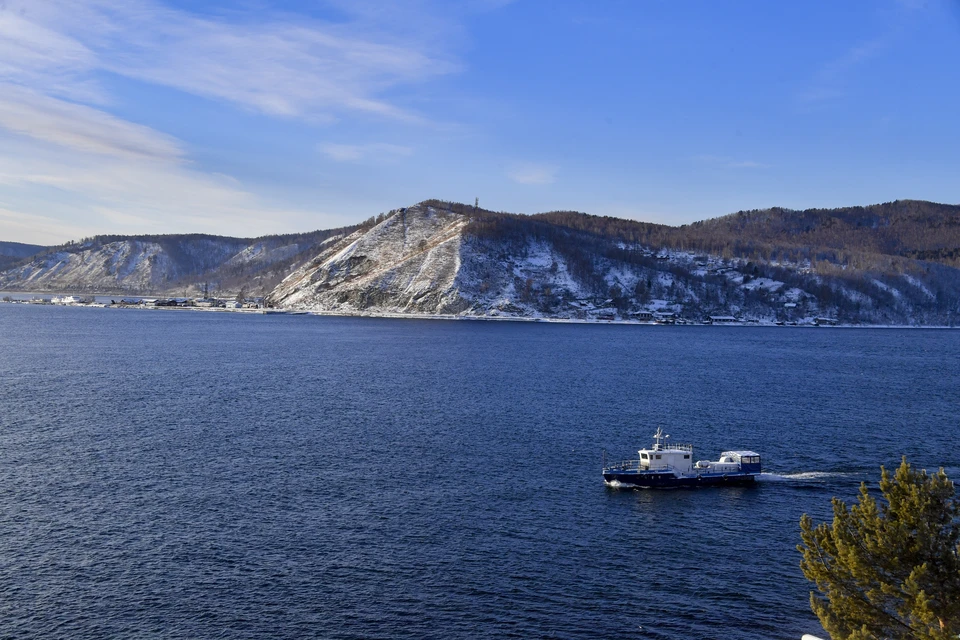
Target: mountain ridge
x=572 y=265
x=157 y=264
x=892 y=263
x=13 y=252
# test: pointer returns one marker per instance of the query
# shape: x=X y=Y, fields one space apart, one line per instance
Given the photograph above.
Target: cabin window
x=686 y=456
x=658 y=456
x=644 y=456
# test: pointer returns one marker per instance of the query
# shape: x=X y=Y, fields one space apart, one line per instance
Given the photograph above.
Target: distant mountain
x=905 y=228
x=13 y=252
x=894 y=263
x=447 y=258
x=168 y=264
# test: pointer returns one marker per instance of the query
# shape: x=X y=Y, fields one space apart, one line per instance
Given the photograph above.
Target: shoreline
x=468 y=318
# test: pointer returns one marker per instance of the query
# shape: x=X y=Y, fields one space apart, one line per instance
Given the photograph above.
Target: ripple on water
x=212 y=476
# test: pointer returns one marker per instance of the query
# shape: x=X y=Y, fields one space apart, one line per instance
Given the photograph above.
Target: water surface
x=175 y=474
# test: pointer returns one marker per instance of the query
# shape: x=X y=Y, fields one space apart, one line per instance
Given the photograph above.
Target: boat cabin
x=666 y=457
x=747 y=461
x=679 y=458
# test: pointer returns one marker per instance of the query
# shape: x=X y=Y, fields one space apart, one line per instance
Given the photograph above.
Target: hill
x=13 y=252
x=165 y=264
x=440 y=257
x=893 y=263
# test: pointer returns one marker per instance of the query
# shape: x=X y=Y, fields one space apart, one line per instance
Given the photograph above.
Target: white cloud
x=279 y=65
x=28 y=48
x=113 y=193
x=37 y=229
x=81 y=128
x=360 y=152
x=531 y=173
x=64 y=156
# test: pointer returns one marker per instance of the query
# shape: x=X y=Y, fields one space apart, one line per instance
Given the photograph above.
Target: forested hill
x=893 y=263
x=13 y=252
x=450 y=258
x=19 y=249
x=905 y=228
x=865 y=237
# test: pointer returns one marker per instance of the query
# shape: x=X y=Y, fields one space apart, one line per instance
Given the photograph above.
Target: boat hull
x=653 y=480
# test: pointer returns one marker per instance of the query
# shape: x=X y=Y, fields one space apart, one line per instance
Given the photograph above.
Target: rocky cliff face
x=424 y=260
x=408 y=263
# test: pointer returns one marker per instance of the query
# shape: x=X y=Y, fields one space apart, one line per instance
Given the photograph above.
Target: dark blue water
x=176 y=474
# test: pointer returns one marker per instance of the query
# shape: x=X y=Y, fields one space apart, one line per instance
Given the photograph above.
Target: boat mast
x=657 y=437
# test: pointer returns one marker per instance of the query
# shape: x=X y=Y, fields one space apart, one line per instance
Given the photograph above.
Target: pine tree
x=888 y=568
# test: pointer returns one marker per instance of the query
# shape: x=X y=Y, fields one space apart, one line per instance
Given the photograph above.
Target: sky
x=255 y=117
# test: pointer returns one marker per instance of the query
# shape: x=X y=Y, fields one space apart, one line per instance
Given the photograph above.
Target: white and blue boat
x=671 y=465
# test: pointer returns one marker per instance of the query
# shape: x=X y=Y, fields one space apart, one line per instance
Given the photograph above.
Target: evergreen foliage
x=888 y=568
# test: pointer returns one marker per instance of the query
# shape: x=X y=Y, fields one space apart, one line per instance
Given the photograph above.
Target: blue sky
x=253 y=117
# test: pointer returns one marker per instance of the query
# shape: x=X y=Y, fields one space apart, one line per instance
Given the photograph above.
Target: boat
x=671 y=465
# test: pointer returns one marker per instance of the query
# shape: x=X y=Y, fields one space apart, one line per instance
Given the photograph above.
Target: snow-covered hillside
x=173 y=265
x=428 y=260
x=126 y=265
x=438 y=258
x=409 y=263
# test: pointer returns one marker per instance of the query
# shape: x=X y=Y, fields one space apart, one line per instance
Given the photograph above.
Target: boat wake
x=616 y=484
x=805 y=476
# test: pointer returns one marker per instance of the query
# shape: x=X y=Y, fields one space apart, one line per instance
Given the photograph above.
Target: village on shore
x=259 y=305
x=212 y=304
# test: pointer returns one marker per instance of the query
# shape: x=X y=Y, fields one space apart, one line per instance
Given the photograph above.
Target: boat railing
x=623 y=465
x=673 y=447
x=634 y=465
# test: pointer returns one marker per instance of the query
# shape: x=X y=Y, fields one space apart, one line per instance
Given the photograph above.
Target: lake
x=178 y=474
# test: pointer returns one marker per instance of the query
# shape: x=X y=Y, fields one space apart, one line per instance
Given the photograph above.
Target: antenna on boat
x=657 y=437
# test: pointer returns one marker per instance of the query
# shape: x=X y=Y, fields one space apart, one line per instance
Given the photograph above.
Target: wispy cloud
x=82 y=128
x=533 y=174
x=378 y=151
x=830 y=81
x=278 y=66
x=37 y=229
x=36 y=54
x=64 y=155
x=105 y=193
x=833 y=79
x=727 y=162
